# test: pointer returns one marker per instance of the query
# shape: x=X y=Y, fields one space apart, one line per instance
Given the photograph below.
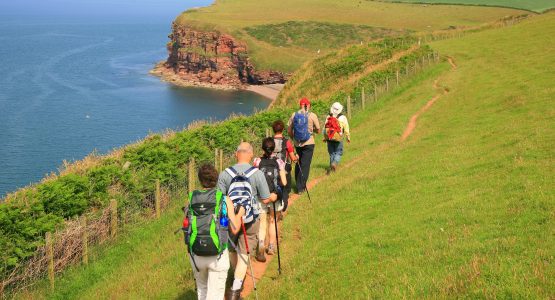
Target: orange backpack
x=333 y=129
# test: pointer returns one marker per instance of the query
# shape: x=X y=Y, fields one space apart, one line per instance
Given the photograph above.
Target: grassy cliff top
x=279 y=44
x=535 y=5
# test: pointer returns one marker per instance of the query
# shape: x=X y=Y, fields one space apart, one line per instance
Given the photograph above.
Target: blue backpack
x=300 y=127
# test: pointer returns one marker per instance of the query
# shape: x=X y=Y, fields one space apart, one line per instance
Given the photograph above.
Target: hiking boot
x=270 y=249
x=260 y=255
x=235 y=295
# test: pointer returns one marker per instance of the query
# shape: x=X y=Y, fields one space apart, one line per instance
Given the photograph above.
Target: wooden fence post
x=221 y=160
x=363 y=98
x=387 y=84
x=85 y=240
x=157 y=199
x=216 y=153
x=191 y=174
x=113 y=217
x=423 y=61
x=50 y=254
x=375 y=93
x=397 y=76
x=349 y=107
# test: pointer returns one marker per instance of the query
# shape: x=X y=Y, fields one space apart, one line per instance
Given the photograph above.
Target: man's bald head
x=244 y=153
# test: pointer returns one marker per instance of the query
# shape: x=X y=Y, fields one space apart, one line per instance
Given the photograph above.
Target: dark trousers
x=287 y=188
x=305 y=159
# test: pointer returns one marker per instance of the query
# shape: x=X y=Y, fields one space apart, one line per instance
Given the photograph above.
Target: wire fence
x=71 y=245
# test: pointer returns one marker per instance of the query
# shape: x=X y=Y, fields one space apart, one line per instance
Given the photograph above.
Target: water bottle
x=223 y=232
x=224 y=221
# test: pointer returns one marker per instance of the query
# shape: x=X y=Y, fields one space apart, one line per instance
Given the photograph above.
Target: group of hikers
x=235 y=213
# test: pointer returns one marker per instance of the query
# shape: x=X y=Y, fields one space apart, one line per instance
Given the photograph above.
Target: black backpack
x=280 y=151
x=270 y=168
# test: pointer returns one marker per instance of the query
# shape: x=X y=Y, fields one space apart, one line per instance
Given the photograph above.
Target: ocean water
x=68 y=88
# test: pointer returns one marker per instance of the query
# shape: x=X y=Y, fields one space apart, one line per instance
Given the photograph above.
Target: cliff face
x=213 y=58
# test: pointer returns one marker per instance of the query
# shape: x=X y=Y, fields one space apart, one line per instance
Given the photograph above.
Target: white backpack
x=241 y=193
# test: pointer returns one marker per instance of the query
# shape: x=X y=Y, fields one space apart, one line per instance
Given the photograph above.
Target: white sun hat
x=336 y=109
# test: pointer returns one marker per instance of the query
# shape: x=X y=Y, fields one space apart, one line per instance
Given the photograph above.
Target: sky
x=156 y=9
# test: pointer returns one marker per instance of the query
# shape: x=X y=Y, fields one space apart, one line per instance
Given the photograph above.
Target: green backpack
x=205 y=236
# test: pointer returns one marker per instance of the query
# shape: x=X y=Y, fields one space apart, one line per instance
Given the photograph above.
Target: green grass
x=147 y=261
x=238 y=17
x=532 y=5
x=464 y=208
x=317 y=35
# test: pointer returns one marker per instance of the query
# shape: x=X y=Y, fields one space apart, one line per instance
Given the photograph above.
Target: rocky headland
x=212 y=59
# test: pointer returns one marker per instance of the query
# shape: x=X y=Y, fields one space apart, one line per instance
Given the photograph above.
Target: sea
x=71 y=86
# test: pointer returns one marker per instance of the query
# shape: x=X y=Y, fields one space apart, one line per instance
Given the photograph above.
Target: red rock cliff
x=213 y=58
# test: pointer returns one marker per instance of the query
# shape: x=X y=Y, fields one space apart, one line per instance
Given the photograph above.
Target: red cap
x=304 y=102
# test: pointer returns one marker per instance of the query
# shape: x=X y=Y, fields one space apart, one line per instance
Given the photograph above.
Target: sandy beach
x=270 y=91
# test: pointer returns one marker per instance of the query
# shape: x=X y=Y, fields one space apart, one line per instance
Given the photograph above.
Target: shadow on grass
x=187 y=295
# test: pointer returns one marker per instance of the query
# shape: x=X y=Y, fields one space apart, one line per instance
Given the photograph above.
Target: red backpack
x=333 y=129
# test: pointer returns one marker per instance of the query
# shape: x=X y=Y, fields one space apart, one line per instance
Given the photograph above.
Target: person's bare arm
x=283 y=177
x=316 y=123
x=290 y=127
x=234 y=218
x=272 y=198
x=293 y=157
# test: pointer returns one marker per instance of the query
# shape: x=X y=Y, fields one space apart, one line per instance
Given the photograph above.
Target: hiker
x=301 y=126
x=284 y=150
x=245 y=186
x=208 y=254
x=273 y=169
x=335 y=129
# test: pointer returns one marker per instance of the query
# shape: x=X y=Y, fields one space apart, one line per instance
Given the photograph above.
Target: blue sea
x=70 y=86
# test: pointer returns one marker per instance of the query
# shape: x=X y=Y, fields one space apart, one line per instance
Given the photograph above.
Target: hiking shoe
x=333 y=167
x=235 y=295
x=270 y=249
x=260 y=255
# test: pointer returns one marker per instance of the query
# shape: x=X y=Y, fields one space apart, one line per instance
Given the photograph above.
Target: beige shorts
x=252 y=238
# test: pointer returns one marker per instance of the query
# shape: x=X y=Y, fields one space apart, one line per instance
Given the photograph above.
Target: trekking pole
x=249 y=257
x=277 y=239
x=305 y=181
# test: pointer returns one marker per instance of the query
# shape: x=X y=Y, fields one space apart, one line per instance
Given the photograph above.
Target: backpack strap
x=231 y=171
x=250 y=172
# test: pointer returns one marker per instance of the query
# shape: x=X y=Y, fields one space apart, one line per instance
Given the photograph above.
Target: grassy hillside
x=533 y=5
x=463 y=208
x=283 y=34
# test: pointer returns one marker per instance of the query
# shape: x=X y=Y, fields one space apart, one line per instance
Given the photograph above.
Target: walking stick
x=277 y=239
x=305 y=181
x=249 y=257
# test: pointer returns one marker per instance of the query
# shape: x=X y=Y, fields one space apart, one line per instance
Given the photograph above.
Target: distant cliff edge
x=211 y=59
